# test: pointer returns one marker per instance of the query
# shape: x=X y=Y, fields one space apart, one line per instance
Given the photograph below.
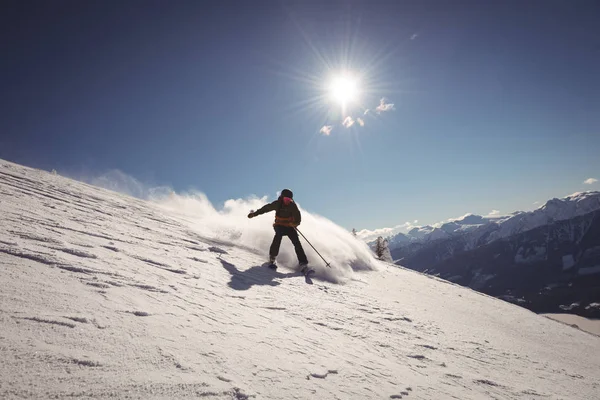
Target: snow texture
x=107 y=296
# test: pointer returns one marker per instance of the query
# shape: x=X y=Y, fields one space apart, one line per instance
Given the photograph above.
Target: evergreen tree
x=380 y=247
x=387 y=254
x=382 y=251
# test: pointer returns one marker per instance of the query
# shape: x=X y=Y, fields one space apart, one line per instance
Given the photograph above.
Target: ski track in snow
x=108 y=296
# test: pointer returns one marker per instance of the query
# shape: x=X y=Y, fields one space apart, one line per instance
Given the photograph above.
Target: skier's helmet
x=287 y=193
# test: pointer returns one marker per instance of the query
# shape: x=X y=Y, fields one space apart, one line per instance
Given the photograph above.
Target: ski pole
x=326 y=263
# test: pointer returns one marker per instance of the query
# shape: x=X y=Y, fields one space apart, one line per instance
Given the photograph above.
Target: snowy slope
x=107 y=296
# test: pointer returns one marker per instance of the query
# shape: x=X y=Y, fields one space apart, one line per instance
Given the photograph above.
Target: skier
x=287 y=218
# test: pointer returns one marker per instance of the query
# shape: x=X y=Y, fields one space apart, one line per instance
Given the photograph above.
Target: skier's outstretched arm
x=264 y=209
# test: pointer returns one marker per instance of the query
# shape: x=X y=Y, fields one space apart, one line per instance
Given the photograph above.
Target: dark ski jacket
x=284 y=215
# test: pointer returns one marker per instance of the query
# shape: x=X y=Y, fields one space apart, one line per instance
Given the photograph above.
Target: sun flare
x=344 y=89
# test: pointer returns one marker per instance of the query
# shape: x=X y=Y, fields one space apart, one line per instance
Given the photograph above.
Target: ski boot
x=272 y=263
x=305 y=269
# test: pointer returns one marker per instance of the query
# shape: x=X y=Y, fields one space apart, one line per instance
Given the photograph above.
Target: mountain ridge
x=555 y=209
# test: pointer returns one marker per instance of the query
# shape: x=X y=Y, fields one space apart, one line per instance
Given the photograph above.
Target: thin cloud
x=493 y=213
x=383 y=106
x=414 y=36
x=348 y=122
x=590 y=181
x=535 y=203
x=458 y=218
x=326 y=130
x=368 y=235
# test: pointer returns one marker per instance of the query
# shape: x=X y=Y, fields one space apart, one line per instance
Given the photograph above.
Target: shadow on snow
x=256 y=275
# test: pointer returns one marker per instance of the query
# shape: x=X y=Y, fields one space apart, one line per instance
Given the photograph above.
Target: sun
x=343 y=89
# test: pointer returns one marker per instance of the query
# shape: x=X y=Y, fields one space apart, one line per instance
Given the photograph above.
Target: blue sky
x=495 y=106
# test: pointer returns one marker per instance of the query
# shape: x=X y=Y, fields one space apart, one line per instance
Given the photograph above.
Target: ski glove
x=251 y=215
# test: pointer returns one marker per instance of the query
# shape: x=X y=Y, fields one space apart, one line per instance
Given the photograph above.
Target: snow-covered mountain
x=545 y=260
x=502 y=226
x=107 y=296
x=459 y=226
x=556 y=209
x=420 y=232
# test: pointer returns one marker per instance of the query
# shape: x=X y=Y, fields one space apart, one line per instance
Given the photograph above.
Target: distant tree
x=387 y=254
x=354 y=232
x=382 y=251
x=380 y=246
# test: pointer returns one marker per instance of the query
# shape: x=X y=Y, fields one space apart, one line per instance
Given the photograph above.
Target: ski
x=307 y=271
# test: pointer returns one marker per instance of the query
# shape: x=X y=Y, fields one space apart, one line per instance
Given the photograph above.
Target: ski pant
x=280 y=232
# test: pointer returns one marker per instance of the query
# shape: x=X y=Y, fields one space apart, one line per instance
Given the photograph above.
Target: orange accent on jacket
x=284 y=215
